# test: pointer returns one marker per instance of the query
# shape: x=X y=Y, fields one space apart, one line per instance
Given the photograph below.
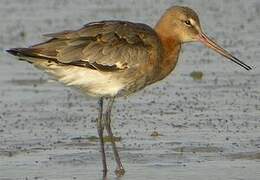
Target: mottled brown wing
x=115 y=44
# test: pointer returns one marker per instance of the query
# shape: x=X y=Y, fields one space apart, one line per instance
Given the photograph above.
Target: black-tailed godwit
x=109 y=59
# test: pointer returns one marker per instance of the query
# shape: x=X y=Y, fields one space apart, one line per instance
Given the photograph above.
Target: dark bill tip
x=211 y=44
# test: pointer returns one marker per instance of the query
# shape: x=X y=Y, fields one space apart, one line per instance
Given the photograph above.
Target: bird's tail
x=25 y=54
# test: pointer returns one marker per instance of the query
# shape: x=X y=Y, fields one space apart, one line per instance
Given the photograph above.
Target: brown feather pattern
x=106 y=46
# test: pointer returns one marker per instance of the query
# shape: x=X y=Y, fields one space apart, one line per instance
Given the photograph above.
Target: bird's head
x=183 y=24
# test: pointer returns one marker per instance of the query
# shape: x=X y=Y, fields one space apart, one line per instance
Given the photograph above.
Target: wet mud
x=200 y=123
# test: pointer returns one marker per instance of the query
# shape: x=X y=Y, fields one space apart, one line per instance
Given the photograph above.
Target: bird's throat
x=171 y=50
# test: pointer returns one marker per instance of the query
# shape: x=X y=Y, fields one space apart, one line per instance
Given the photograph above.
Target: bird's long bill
x=211 y=44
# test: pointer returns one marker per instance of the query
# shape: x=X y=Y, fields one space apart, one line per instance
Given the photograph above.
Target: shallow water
x=209 y=128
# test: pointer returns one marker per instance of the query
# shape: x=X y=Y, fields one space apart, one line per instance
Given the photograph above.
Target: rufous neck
x=171 y=49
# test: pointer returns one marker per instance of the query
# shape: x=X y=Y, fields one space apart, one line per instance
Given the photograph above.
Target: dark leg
x=119 y=170
x=100 y=128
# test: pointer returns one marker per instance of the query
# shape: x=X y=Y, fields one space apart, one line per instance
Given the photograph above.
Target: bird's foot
x=120 y=172
x=104 y=173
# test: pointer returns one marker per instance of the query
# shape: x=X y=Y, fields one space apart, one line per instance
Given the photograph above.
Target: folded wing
x=106 y=45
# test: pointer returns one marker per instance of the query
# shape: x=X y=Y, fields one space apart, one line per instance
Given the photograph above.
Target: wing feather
x=108 y=43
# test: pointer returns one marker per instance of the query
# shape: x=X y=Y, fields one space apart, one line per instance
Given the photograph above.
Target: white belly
x=92 y=82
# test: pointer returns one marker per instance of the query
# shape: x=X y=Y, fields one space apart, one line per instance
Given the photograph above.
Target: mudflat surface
x=209 y=129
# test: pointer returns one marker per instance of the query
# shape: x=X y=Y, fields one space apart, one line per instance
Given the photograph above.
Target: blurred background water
x=204 y=118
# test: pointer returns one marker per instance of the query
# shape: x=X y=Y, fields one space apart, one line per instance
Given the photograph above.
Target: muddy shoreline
x=206 y=114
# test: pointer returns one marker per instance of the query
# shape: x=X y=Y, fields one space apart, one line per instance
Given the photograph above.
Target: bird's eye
x=187 y=22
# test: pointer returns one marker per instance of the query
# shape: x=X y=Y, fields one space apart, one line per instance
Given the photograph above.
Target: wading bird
x=109 y=59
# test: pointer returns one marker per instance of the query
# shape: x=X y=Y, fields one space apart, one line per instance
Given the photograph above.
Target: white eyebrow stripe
x=192 y=21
